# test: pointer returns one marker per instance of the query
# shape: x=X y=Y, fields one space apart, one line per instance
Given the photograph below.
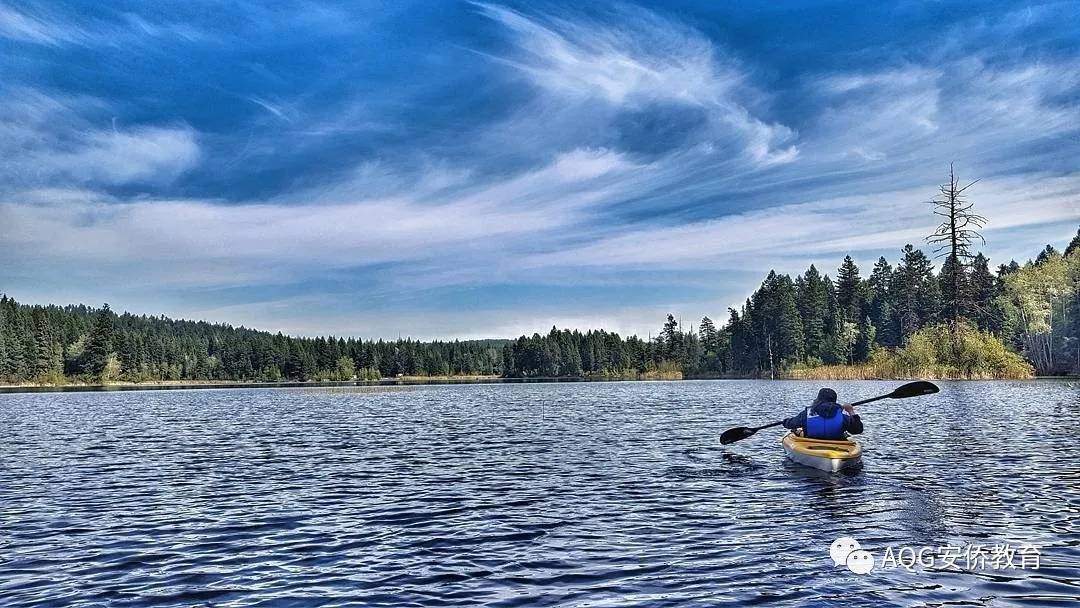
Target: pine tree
x=99 y=344
x=47 y=356
x=812 y=297
x=789 y=323
x=15 y=362
x=849 y=290
x=1074 y=245
x=710 y=345
x=1046 y=254
x=916 y=292
x=882 y=309
x=670 y=339
x=708 y=334
x=6 y=363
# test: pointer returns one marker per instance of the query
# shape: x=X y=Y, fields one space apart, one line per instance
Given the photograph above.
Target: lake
x=569 y=494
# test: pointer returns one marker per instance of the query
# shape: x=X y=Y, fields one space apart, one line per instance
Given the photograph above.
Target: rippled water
x=595 y=494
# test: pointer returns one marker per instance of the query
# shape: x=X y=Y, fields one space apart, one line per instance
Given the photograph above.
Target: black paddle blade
x=914 y=389
x=736 y=434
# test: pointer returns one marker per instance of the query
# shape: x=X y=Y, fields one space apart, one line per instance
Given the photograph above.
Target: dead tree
x=953 y=238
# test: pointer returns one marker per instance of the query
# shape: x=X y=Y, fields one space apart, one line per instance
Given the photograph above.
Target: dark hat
x=826 y=395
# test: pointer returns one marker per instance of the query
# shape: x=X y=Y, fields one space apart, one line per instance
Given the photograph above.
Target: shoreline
x=439 y=380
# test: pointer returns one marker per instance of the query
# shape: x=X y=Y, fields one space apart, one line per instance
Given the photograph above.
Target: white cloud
x=49 y=26
x=645 y=60
x=120 y=157
x=201 y=243
x=20 y=26
x=965 y=110
x=50 y=141
x=871 y=222
x=741 y=192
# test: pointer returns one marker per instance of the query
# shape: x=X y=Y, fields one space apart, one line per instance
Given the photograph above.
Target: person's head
x=825 y=395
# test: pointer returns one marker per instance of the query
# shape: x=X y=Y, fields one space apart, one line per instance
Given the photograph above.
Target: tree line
x=902 y=319
x=813 y=320
x=965 y=320
x=810 y=320
x=54 y=344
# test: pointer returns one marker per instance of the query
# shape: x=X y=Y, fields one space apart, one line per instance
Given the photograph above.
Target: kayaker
x=826 y=419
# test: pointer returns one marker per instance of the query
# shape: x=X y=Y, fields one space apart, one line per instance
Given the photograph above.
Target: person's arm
x=796 y=422
x=852 y=423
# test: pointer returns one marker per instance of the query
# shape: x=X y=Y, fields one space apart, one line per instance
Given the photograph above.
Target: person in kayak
x=825 y=418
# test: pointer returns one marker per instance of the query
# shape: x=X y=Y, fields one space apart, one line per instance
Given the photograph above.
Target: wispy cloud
x=49 y=140
x=269 y=107
x=864 y=223
x=24 y=27
x=643 y=61
x=472 y=165
x=202 y=243
x=46 y=24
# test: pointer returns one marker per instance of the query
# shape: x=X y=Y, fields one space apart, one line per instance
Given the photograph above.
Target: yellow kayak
x=824 y=454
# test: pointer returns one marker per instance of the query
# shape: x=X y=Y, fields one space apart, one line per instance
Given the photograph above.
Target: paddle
x=911 y=389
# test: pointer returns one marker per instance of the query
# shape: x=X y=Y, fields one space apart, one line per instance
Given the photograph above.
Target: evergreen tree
x=670 y=343
x=1074 y=244
x=710 y=346
x=881 y=305
x=916 y=292
x=6 y=364
x=789 y=323
x=1046 y=254
x=865 y=341
x=849 y=290
x=47 y=355
x=99 y=344
x=812 y=298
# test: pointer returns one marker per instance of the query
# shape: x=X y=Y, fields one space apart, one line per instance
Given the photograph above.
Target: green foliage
x=345 y=368
x=53 y=345
x=930 y=353
x=565 y=353
x=849 y=290
x=99 y=345
x=110 y=371
x=812 y=299
x=1040 y=311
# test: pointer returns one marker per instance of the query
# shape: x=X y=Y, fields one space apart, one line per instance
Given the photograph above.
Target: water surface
x=583 y=494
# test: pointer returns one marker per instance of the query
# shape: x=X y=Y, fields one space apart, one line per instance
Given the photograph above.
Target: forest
x=899 y=320
x=54 y=345
x=890 y=319
x=895 y=322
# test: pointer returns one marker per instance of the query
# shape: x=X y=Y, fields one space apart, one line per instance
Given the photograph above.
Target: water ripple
x=606 y=494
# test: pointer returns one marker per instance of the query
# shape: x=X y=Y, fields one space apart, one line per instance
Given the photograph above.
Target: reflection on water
x=523 y=494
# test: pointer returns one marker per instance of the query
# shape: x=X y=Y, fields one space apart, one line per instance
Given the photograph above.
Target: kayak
x=824 y=454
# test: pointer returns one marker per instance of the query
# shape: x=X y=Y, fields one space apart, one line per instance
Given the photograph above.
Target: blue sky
x=464 y=169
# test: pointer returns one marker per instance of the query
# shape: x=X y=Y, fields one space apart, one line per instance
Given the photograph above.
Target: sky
x=469 y=169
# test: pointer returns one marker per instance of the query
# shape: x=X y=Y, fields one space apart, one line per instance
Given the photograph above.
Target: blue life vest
x=819 y=427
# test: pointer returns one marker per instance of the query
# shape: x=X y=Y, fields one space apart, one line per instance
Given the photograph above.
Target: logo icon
x=841 y=548
x=860 y=562
x=846 y=551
